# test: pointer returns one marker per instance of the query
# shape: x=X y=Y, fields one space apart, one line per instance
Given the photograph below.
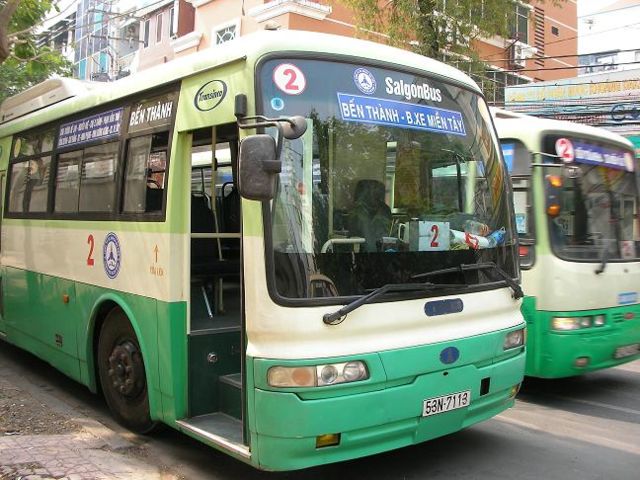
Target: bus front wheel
x=122 y=373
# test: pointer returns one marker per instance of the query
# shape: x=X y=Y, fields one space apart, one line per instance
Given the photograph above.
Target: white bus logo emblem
x=364 y=80
x=111 y=255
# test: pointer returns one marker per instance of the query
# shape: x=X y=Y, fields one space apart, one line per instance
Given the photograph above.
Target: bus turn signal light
x=553 y=210
x=555 y=181
x=327 y=440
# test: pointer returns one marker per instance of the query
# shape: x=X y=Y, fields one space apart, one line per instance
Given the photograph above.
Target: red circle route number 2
x=564 y=149
x=289 y=79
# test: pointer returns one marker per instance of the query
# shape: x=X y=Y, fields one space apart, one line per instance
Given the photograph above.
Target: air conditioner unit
x=519 y=52
x=518 y=55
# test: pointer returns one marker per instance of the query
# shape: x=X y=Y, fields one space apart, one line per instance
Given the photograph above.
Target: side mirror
x=258 y=168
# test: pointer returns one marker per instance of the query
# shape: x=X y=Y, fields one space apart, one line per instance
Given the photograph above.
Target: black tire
x=122 y=373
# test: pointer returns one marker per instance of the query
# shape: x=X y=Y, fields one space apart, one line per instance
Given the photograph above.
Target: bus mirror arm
x=288 y=127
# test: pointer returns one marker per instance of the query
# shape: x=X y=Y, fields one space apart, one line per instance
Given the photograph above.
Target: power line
x=554 y=57
x=536 y=85
x=582 y=36
x=547 y=69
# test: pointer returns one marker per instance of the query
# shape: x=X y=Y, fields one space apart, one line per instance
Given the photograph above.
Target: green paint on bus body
x=283 y=433
x=65 y=334
x=390 y=402
x=552 y=354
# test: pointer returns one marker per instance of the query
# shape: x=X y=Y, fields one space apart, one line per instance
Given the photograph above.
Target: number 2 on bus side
x=91 y=243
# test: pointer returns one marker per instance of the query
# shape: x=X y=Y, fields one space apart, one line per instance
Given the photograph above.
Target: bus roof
x=521 y=126
x=246 y=48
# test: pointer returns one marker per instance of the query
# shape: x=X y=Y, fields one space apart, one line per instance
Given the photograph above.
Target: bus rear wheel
x=122 y=373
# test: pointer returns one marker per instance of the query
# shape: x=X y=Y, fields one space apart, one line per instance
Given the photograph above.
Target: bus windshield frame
x=368 y=192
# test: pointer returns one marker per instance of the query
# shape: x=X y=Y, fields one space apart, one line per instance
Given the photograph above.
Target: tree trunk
x=5 y=18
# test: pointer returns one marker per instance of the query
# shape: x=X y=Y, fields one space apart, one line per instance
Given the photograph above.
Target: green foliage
x=431 y=27
x=16 y=76
x=28 y=64
x=435 y=28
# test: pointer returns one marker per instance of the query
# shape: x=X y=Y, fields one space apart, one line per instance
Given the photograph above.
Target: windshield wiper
x=464 y=267
x=339 y=315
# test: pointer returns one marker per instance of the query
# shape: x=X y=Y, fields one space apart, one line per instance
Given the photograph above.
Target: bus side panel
x=42 y=315
x=529 y=313
x=172 y=345
x=5 y=146
x=141 y=312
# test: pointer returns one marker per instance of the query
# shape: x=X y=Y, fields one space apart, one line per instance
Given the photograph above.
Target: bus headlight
x=577 y=323
x=317 y=375
x=565 y=323
x=514 y=339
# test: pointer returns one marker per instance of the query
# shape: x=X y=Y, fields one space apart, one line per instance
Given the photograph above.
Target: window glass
x=68 y=182
x=146 y=33
x=19 y=179
x=29 y=185
x=26 y=145
x=145 y=174
x=37 y=189
x=598 y=203
x=98 y=178
x=159 y=28
x=382 y=187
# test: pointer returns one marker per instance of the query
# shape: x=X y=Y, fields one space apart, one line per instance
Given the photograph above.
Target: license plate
x=627 y=351
x=445 y=403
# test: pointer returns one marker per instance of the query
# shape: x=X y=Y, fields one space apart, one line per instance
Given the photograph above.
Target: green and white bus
x=268 y=246
x=578 y=217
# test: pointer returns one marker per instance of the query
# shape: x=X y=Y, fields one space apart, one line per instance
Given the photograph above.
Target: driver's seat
x=370 y=217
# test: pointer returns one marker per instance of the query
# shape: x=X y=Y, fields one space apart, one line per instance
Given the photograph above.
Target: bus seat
x=205 y=255
x=230 y=213
x=371 y=216
x=230 y=207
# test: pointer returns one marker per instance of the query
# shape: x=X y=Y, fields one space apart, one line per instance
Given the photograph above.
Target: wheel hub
x=125 y=369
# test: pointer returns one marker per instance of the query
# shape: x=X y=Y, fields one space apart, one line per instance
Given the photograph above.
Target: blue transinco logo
x=364 y=80
x=111 y=255
x=449 y=355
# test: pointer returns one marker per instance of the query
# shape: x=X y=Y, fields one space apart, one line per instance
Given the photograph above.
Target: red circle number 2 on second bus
x=289 y=79
x=564 y=149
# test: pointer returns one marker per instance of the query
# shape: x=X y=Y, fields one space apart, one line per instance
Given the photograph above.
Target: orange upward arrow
x=155 y=250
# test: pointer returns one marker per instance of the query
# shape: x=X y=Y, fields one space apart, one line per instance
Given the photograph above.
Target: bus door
x=215 y=336
x=3 y=176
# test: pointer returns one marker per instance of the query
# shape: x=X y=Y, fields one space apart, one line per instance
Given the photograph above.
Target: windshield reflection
x=362 y=203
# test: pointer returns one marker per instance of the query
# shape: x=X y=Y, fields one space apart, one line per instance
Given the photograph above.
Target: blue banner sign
x=377 y=111
x=606 y=157
x=96 y=127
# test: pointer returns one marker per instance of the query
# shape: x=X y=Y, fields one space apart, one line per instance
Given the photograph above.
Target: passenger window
x=145 y=173
x=68 y=182
x=30 y=185
x=19 y=178
x=98 y=178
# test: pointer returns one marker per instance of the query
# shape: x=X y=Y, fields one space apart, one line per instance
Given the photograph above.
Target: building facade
x=606 y=92
x=543 y=44
x=117 y=37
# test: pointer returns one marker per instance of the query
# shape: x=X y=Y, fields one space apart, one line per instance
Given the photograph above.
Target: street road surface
x=572 y=429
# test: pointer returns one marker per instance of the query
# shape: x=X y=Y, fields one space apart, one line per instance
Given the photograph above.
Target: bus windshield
x=397 y=175
x=600 y=205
